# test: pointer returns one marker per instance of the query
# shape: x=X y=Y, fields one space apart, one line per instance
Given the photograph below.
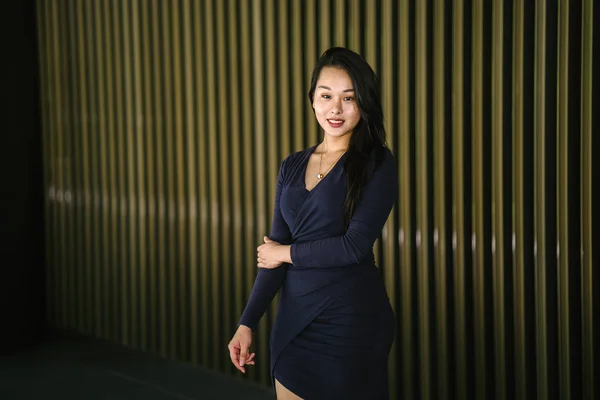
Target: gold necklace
x=320 y=175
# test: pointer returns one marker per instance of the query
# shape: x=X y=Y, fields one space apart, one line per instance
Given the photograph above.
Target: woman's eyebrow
x=328 y=88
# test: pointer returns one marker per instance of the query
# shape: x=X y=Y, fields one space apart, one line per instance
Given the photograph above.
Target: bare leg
x=284 y=393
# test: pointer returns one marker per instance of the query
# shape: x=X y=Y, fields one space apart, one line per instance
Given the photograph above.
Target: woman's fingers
x=234 y=354
x=250 y=360
x=262 y=263
x=268 y=265
x=239 y=348
x=243 y=354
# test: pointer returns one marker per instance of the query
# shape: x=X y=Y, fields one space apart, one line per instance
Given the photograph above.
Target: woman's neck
x=335 y=144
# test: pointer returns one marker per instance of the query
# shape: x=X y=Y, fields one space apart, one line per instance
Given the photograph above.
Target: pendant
x=319 y=176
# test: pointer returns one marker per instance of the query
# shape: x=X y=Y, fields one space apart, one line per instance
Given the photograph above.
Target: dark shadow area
x=70 y=366
x=21 y=201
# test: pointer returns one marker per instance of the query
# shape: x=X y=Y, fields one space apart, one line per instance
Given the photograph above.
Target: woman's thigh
x=284 y=393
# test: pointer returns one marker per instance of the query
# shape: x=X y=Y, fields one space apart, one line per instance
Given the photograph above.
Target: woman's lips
x=335 y=123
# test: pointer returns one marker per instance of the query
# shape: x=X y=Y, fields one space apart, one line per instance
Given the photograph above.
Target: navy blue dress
x=334 y=326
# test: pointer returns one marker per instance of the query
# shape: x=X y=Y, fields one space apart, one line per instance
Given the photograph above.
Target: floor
x=82 y=368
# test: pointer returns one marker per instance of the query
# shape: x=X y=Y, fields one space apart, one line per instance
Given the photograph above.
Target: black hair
x=368 y=137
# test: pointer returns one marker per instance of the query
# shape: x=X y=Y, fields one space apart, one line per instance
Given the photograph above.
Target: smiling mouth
x=335 y=122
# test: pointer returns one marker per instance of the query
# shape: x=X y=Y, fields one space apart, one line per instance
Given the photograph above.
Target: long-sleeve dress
x=334 y=325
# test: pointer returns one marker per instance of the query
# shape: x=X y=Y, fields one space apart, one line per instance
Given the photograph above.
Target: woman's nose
x=336 y=107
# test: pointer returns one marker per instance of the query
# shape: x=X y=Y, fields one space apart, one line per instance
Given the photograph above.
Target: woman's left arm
x=366 y=224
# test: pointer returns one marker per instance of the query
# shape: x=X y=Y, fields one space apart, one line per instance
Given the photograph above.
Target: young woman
x=334 y=326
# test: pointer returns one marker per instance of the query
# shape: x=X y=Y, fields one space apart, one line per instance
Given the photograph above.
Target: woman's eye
x=326 y=96
x=348 y=98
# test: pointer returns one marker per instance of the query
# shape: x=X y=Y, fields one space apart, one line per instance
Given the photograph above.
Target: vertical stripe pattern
x=165 y=122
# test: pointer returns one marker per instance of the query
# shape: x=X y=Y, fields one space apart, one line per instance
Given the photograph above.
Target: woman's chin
x=336 y=133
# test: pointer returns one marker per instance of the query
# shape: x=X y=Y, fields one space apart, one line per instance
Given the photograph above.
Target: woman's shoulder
x=297 y=156
x=382 y=158
x=387 y=155
x=294 y=162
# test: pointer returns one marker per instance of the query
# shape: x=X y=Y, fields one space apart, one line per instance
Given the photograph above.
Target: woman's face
x=335 y=103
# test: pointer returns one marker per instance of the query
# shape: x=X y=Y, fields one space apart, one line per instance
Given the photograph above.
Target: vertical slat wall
x=518 y=215
x=165 y=123
x=477 y=205
x=539 y=241
x=585 y=188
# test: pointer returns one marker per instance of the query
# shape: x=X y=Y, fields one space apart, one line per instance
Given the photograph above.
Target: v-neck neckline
x=310 y=153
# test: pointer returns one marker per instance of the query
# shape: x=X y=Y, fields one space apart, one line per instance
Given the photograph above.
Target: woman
x=335 y=326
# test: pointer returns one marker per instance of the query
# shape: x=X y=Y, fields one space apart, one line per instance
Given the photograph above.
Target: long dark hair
x=368 y=137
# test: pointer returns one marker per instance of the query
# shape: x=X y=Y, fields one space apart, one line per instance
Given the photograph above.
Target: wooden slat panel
x=56 y=165
x=213 y=177
x=135 y=176
x=458 y=201
x=159 y=279
x=299 y=78
x=370 y=31
x=76 y=193
x=240 y=262
x=224 y=164
x=339 y=38
x=66 y=170
x=422 y=218
x=354 y=31
x=498 y=200
x=140 y=191
x=439 y=200
x=405 y=210
x=121 y=305
x=202 y=149
x=44 y=43
x=102 y=134
x=370 y=55
x=52 y=279
x=540 y=205
x=389 y=245
x=168 y=146
x=180 y=217
x=130 y=329
x=147 y=298
x=86 y=189
x=587 y=296
x=325 y=21
x=477 y=198
x=283 y=66
x=190 y=133
x=93 y=204
x=62 y=160
x=260 y=126
x=562 y=195
x=311 y=52
x=518 y=237
x=249 y=265
x=273 y=133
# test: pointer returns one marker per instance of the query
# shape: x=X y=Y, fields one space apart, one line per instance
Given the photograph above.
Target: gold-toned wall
x=164 y=123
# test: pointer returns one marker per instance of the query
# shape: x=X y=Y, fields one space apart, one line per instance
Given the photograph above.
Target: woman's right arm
x=268 y=281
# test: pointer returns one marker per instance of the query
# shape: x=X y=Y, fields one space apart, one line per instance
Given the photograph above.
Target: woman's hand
x=239 y=348
x=268 y=254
